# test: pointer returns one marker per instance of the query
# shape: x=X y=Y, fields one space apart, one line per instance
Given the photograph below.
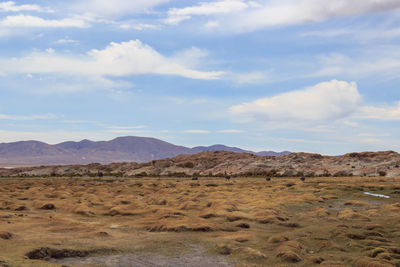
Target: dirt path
x=195 y=258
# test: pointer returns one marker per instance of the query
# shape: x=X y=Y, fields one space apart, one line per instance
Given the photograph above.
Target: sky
x=301 y=75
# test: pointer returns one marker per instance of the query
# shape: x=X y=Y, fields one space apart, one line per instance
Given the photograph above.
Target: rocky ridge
x=220 y=163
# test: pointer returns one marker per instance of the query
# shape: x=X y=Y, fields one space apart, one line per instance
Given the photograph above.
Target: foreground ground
x=241 y=222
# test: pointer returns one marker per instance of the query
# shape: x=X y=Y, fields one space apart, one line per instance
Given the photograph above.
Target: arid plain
x=323 y=221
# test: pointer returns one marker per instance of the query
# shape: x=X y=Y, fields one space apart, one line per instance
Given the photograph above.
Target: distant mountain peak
x=120 y=149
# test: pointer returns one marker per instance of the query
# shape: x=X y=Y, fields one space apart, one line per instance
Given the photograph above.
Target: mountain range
x=121 y=149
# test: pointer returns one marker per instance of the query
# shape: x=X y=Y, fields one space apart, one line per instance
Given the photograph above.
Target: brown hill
x=121 y=149
x=219 y=163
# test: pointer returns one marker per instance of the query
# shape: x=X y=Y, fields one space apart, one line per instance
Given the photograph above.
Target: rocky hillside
x=238 y=150
x=219 y=163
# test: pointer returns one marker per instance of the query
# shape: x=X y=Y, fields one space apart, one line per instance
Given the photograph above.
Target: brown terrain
x=346 y=212
x=220 y=163
x=244 y=221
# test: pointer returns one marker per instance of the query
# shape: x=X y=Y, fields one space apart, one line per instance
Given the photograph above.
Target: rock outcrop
x=221 y=163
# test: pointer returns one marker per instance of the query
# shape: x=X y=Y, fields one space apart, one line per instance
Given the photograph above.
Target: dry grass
x=327 y=221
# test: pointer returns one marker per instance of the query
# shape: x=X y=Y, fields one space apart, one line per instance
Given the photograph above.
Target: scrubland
x=247 y=221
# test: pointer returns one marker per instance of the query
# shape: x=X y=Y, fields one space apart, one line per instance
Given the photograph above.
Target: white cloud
x=374 y=134
x=212 y=24
x=117 y=60
x=251 y=77
x=127 y=127
x=79 y=122
x=309 y=141
x=351 y=123
x=177 y=15
x=327 y=33
x=66 y=40
x=139 y=26
x=10 y=6
x=303 y=11
x=358 y=33
x=325 y=101
x=323 y=105
x=37 y=22
x=50 y=83
x=26 y=117
x=382 y=60
x=190 y=57
x=132 y=131
x=114 y=8
x=387 y=113
x=240 y=15
x=197 y=131
x=230 y=131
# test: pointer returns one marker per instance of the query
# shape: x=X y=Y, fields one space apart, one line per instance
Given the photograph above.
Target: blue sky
x=301 y=75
